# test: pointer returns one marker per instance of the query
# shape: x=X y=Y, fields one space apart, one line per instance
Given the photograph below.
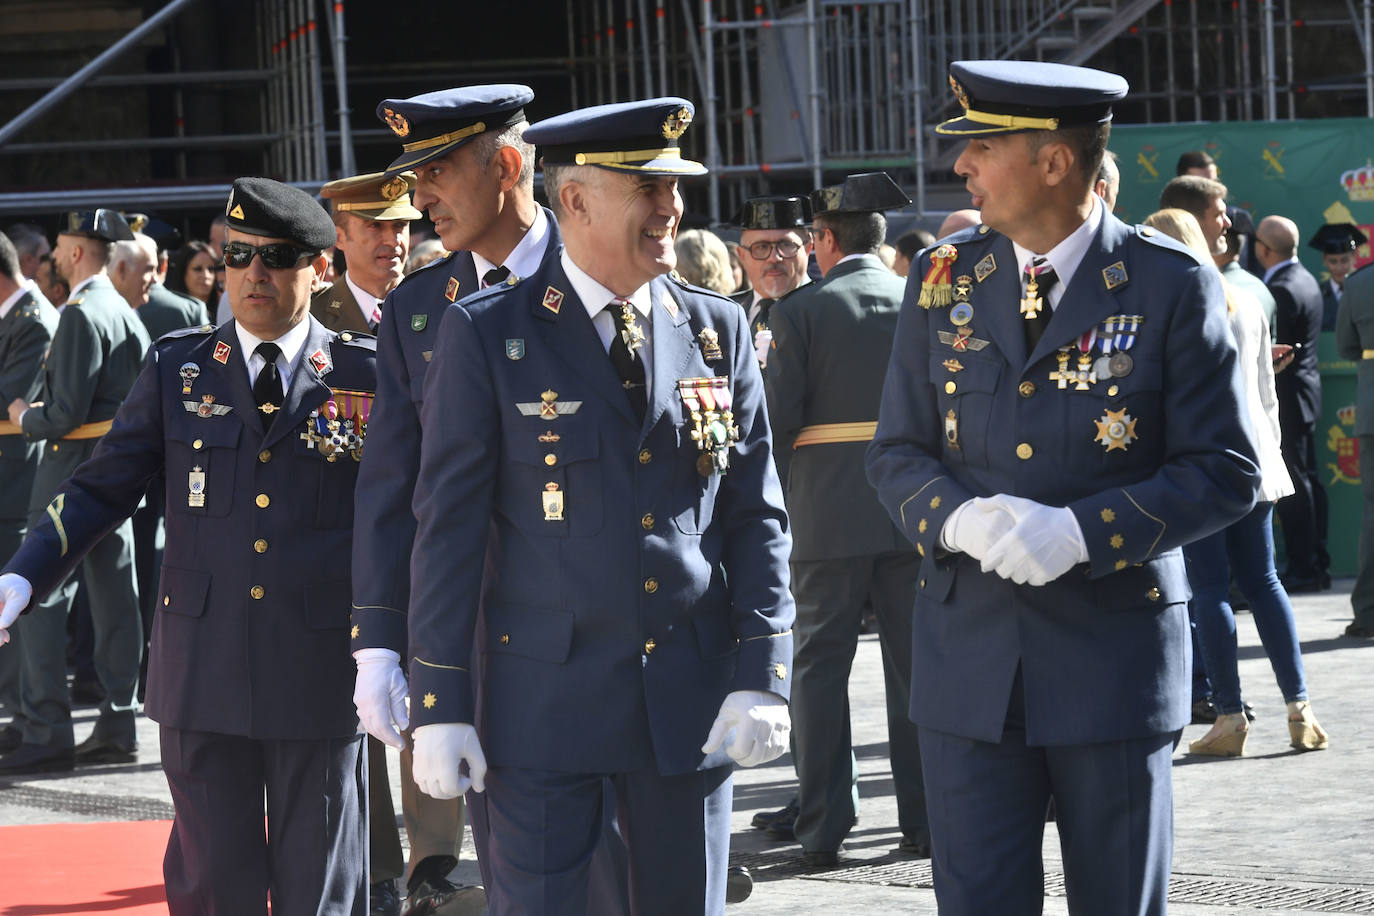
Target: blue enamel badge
x=515 y=348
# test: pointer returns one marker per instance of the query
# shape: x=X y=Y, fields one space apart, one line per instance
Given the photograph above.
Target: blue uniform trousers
x=1114 y=812
x=312 y=857
x=545 y=840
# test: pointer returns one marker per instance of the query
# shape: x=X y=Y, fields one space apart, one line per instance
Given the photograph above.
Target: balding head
x=1279 y=234
x=134 y=268
x=959 y=219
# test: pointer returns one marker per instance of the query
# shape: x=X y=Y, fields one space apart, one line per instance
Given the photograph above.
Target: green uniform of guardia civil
x=1355 y=338
x=167 y=311
x=831 y=342
x=97 y=352
x=25 y=334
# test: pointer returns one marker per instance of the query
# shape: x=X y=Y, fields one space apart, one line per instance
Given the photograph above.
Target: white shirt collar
x=1271 y=271
x=856 y=256
x=8 y=304
x=291 y=344
x=1068 y=254
x=524 y=258
x=366 y=301
x=596 y=297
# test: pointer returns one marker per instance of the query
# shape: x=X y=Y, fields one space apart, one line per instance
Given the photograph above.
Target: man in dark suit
x=1299 y=313
x=259 y=426
x=774 y=245
x=599 y=491
x=831 y=340
x=1048 y=460
x=96 y=354
x=1339 y=244
x=27 y=323
x=372 y=215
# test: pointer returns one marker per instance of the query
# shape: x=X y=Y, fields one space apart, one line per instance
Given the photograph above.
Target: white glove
x=755 y=722
x=15 y=592
x=439 y=750
x=379 y=693
x=763 y=339
x=973 y=527
x=1045 y=543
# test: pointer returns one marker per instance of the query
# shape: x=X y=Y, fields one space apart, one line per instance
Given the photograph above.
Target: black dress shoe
x=828 y=859
x=765 y=819
x=10 y=738
x=36 y=758
x=435 y=896
x=784 y=828
x=382 y=899
x=1302 y=585
x=739 y=884
x=87 y=693
x=1204 y=711
x=95 y=751
x=915 y=844
x=1359 y=631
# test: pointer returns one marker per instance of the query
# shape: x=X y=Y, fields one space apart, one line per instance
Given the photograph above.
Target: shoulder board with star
x=1160 y=240
x=195 y=331
x=359 y=339
x=423 y=271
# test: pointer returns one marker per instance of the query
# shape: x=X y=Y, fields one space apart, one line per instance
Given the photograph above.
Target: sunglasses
x=761 y=251
x=277 y=256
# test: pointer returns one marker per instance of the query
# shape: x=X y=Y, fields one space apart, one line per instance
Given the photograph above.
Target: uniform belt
x=90 y=430
x=835 y=432
x=1367 y=354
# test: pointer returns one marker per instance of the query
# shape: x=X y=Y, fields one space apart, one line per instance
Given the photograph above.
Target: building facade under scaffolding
x=157 y=106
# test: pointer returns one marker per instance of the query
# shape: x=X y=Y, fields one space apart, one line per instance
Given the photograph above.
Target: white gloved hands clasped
x=1045 y=543
x=755 y=724
x=15 y=592
x=379 y=694
x=973 y=527
x=439 y=751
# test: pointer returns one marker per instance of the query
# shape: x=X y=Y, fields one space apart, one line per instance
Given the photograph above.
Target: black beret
x=261 y=206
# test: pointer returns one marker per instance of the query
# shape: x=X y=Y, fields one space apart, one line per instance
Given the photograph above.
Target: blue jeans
x=1247 y=549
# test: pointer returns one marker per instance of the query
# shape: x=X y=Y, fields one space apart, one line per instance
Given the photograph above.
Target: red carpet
x=73 y=869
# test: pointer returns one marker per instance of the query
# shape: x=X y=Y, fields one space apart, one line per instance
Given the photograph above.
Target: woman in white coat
x=1246 y=548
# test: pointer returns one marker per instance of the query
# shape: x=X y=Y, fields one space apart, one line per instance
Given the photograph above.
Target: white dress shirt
x=1067 y=255
x=596 y=297
x=524 y=258
x=291 y=344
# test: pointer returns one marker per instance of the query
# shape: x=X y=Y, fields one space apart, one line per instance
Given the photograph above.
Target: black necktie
x=626 y=360
x=267 y=386
x=1045 y=279
x=761 y=320
x=495 y=275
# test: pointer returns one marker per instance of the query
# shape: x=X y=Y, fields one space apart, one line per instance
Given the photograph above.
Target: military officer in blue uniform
x=1339 y=244
x=831 y=340
x=475 y=176
x=259 y=426
x=27 y=324
x=1062 y=412
x=599 y=517
x=95 y=356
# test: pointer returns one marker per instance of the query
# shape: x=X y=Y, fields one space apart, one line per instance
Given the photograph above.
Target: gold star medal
x=1116 y=429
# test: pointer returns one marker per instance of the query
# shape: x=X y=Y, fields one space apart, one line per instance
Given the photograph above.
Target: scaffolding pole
x=80 y=77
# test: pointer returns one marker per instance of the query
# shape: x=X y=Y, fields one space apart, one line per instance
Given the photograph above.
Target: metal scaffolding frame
x=790 y=93
x=293 y=133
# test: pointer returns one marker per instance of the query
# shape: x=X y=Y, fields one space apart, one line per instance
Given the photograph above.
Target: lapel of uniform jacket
x=308 y=388
x=232 y=371
x=995 y=299
x=1088 y=299
x=673 y=345
x=567 y=329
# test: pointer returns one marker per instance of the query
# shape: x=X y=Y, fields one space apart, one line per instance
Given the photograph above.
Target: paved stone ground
x=1276 y=832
